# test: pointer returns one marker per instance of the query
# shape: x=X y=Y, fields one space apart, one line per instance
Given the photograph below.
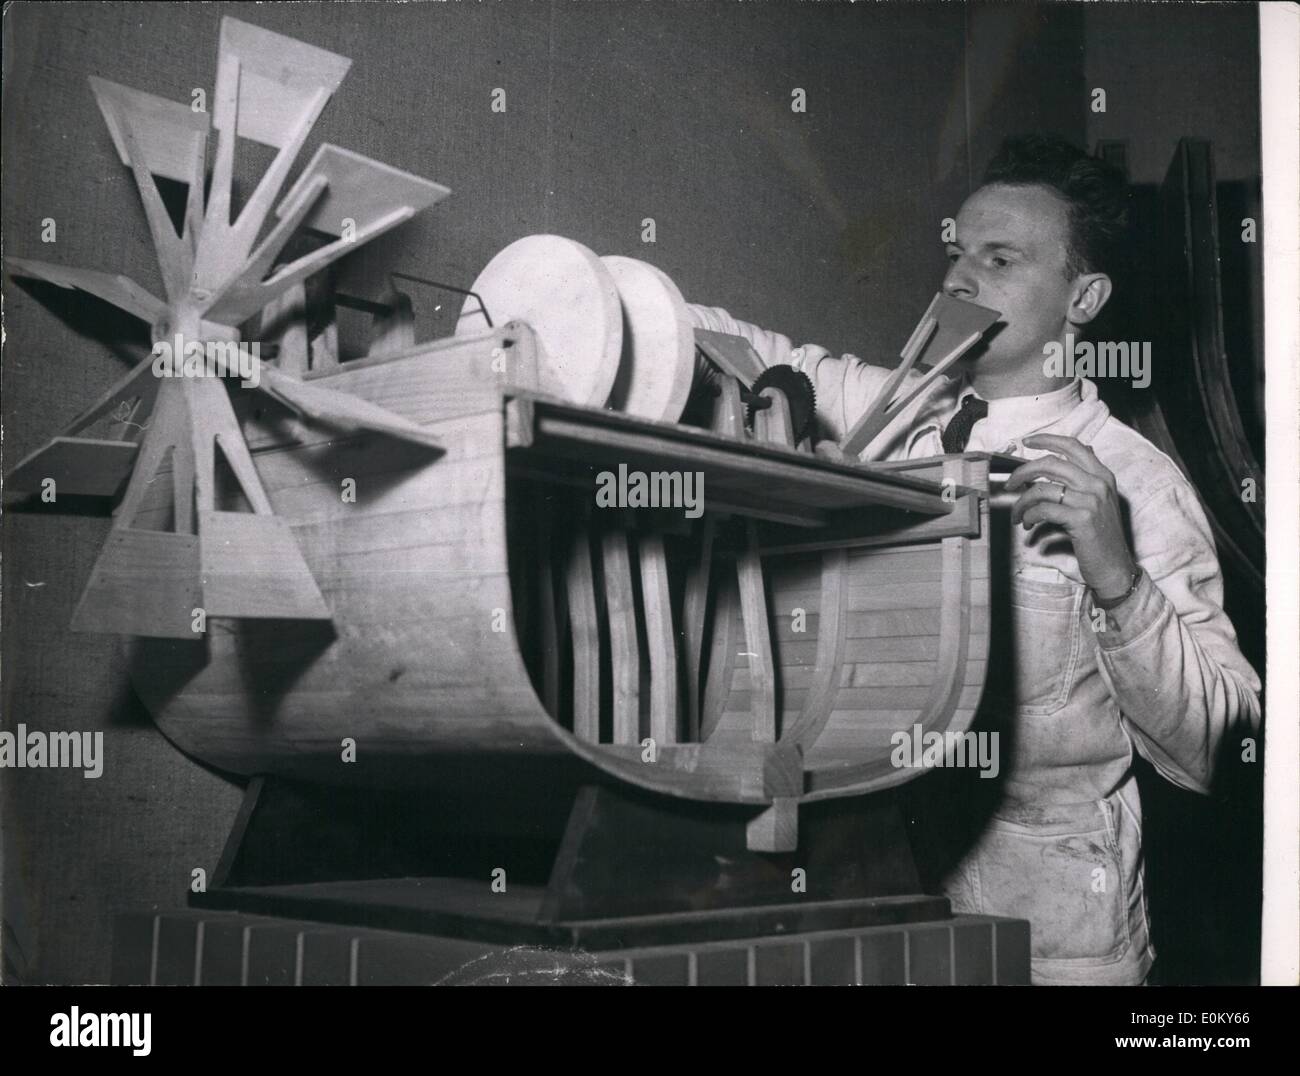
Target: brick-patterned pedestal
x=228 y=948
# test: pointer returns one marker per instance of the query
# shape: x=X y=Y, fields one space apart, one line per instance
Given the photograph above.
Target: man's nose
x=960 y=283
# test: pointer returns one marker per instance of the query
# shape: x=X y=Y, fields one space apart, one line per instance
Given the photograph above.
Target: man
x=1118 y=636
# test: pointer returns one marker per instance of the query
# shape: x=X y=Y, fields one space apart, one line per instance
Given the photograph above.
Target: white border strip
x=1279 y=83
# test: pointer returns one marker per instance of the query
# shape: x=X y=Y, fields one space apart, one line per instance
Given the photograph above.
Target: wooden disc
x=658 y=365
x=561 y=289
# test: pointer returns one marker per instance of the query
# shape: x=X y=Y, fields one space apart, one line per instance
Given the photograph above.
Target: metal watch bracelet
x=1108 y=604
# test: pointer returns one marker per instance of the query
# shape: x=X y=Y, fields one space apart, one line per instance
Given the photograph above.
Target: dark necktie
x=957 y=432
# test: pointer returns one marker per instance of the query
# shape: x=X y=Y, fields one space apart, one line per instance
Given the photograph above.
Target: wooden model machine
x=398 y=572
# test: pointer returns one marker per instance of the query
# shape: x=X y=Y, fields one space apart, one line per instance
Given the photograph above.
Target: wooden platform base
x=596 y=866
x=588 y=883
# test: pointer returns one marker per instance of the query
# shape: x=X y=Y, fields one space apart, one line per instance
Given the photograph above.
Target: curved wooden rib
x=660 y=640
x=580 y=586
x=722 y=661
x=758 y=638
x=624 y=652
x=943 y=709
x=694 y=613
x=831 y=628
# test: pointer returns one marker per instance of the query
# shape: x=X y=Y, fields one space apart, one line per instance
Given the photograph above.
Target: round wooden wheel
x=658 y=365
x=561 y=289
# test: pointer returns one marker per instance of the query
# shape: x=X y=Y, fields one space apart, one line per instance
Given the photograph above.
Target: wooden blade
x=152 y=583
x=134 y=130
x=252 y=568
x=946 y=330
x=340 y=193
x=121 y=291
x=243 y=298
x=734 y=355
x=279 y=80
x=342 y=408
x=271 y=89
x=169 y=136
x=360 y=189
x=82 y=466
x=854 y=442
x=143 y=583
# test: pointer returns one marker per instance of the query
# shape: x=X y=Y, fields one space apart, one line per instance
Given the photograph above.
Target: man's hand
x=1081 y=498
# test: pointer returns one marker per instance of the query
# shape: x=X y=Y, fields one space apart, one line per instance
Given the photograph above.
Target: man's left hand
x=1080 y=497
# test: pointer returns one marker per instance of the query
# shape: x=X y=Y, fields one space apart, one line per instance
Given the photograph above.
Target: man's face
x=1010 y=254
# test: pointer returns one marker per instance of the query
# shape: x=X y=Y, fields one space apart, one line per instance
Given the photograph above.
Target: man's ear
x=1091 y=290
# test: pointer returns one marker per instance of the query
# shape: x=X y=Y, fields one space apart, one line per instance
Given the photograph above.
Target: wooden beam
x=661 y=639
x=620 y=606
x=580 y=586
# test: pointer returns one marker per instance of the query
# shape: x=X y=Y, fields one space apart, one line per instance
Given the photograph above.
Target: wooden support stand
x=619 y=868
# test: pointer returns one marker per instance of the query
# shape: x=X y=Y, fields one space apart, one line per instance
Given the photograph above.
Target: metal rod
x=447 y=287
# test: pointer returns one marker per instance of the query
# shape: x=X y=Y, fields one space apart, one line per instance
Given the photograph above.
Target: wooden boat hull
x=433 y=658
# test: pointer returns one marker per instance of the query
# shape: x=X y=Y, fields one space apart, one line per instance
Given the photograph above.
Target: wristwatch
x=1112 y=603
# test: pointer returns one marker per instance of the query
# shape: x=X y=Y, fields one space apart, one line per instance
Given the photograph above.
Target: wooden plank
x=341 y=408
x=694 y=612
x=284 y=322
x=80 y=466
x=173 y=252
x=143 y=583
x=661 y=639
x=584 y=620
x=359 y=189
x=743 y=772
x=791 y=480
x=924 y=385
x=600 y=436
x=121 y=291
x=948 y=328
x=169 y=134
x=758 y=641
x=252 y=567
x=394 y=332
x=280 y=77
x=620 y=605
x=548 y=611
x=857 y=437
x=733 y=355
x=775 y=829
x=722 y=658
x=859 y=530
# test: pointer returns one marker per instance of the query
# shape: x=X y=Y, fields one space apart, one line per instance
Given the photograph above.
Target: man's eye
x=952 y=257
x=1001 y=263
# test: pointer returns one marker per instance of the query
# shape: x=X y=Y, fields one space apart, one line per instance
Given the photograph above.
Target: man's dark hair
x=1095 y=192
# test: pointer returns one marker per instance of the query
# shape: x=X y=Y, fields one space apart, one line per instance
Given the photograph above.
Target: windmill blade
x=82 y=466
x=947 y=329
x=144 y=134
x=123 y=292
x=168 y=135
x=359 y=189
x=242 y=300
x=279 y=79
x=336 y=187
x=342 y=408
x=270 y=89
x=92 y=466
